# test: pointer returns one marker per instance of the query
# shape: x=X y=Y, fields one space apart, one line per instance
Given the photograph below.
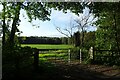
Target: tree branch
x=59 y=30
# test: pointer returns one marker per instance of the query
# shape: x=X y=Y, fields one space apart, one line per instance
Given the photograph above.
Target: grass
x=52 y=55
x=48 y=46
x=59 y=54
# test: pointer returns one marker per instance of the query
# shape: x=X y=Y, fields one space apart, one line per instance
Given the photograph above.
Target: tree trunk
x=77 y=39
x=116 y=34
x=3 y=25
x=82 y=40
x=14 y=24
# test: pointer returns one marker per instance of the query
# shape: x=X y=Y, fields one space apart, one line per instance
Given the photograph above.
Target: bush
x=75 y=53
x=16 y=54
x=85 y=56
x=15 y=59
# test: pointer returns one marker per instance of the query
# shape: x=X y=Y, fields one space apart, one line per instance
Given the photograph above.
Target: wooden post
x=36 y=59
x=80 y=56
x=55 y=59
x=93 y=54
x=69 y=56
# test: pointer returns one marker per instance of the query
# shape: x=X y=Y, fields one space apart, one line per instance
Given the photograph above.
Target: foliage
x=11 y=12
x=74 y=7
x=15 y=59
x=74 y=53
x=37 y=10
x=107 y=34
x=18 y=53
x=108 y=24
x=77 y=39
x=89 y=39
x=40 y=40
x=64 y=40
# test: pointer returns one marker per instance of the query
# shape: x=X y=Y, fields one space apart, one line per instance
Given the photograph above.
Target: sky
x=48 y=28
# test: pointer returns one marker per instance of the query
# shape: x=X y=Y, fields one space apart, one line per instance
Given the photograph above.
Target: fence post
x=80 y=56
x=55 y=59
x=36 y=59
x=91 y=53
x=69 y=56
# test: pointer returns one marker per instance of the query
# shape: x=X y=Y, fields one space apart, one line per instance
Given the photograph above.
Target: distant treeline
x=43 y=40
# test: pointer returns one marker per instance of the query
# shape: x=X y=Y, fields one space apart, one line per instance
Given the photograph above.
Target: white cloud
x=59 y=16
x=1 y=7
x=47 y=28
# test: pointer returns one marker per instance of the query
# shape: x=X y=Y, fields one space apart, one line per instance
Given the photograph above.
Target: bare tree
x=67 y=31
x=84 y=22
x=81 y=23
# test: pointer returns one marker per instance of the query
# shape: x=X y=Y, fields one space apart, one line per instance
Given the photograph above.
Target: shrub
x=75 y=53
x=15 y=59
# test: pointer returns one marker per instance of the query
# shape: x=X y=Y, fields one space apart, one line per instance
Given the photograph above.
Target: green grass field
x=53 y=54
x=45 y=57
x=48 y=46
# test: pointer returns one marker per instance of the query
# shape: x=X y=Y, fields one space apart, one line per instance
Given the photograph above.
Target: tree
x=14 y=8
x=108 y=24
x=67 y=31
x=75 y=7
x=64 y=40
x=36 y=10
x=89 y=39
x=108 y=32
x=3 y=22
x=84 y=22
x=77 y=39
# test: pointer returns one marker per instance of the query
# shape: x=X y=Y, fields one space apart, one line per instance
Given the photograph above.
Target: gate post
x=80 y=56
x=69 y=56
x=91 y=53
x=36 y=59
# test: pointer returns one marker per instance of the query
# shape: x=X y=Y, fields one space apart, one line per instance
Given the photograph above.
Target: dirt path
x=71 y=71
x=77 y=71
